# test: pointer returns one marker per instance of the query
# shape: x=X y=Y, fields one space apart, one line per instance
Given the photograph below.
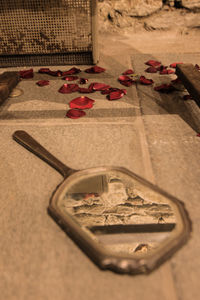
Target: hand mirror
x=121 y=221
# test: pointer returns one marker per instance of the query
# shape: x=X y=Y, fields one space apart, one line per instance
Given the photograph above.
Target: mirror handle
x=24 y=139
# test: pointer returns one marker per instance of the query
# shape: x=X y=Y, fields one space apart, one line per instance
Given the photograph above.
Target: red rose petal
x=81 y=103
x=177 y=80
x=68 y=88
x=174 y=64
x=108 y=91
x=127 y=83
x=42 y=82
x=75 y=113
x=95 y=69
x=187 y=97
x=125 y=80
x=115 y=95
x=85 y=90
x=153 y=63
x=165 y=88
x=70 y=78
x=83 y=80
x=166 y=71
x=144 y=80
x=44 y=70
x=198 y=134
x=26 y=74
x=128 y=72
x=151 y=70
x=125 y=91
x=71 y=71
x=55 y=73
x=197 y=67
x=96 y=86
x=161 y=67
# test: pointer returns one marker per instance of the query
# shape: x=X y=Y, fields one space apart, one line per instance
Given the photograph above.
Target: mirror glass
x=121 y=213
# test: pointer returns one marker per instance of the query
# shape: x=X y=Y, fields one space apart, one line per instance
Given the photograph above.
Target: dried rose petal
x=161 y=67
x=125 y=80
x=151 y=70
x=153 y=63
x=42 y=82
x=165 y=88
x=26 y=74
x=49 y=72
x=97 y=86
x=71 y=71
x=85 y=90
x=70 y=78
x=83 y=80
x=187 y=97
x=144 y=80
x=68 y=88
x=197 y=67
x=95 y=69
x=75 y=113
x=81 y=103
x=166 y=72
x=108 y=91
x=174 y=65
x=124 y=91
x=115 y=95
x=44 y=70
x=128 y=72
x=55 y=73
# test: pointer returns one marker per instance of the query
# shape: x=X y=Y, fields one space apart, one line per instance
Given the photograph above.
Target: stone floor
x=158 y=142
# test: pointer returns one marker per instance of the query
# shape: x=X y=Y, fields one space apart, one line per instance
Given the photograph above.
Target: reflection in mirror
x=120 y=213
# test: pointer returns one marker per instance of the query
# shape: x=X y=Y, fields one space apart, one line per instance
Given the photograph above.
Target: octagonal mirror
x=123 y=222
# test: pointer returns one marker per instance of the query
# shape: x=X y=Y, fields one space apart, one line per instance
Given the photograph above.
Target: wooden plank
x=190 y=77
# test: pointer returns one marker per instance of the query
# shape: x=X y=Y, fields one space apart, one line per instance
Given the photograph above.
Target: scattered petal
x=81 y=103
x=128 y=72
x=125 y=91
x=44 y=70
x=42 y=82
x=115 y=95
x=153 y=63
x=68 y=88
x=198 y=134
x=108 y=91
x=55 y=73
x=49 y=72
x=75 y=113
x=83 y=80
x=165 y=88
x=197 y=67
x=85 y=90
x=95 y=69
x=70 y=78
x=96 y=86
x=166 y=71
x=187 y=97
x=177 y=80
x=71 y=71
x=144 y=80
x=175 y=64
x=125 y=80
x=161 y=67
x=26 y=74
x=151 y=70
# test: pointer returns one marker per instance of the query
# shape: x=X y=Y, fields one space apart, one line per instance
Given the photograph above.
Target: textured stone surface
x=191 y=4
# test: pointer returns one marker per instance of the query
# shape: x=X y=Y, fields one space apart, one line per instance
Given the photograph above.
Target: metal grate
x=40 y=32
